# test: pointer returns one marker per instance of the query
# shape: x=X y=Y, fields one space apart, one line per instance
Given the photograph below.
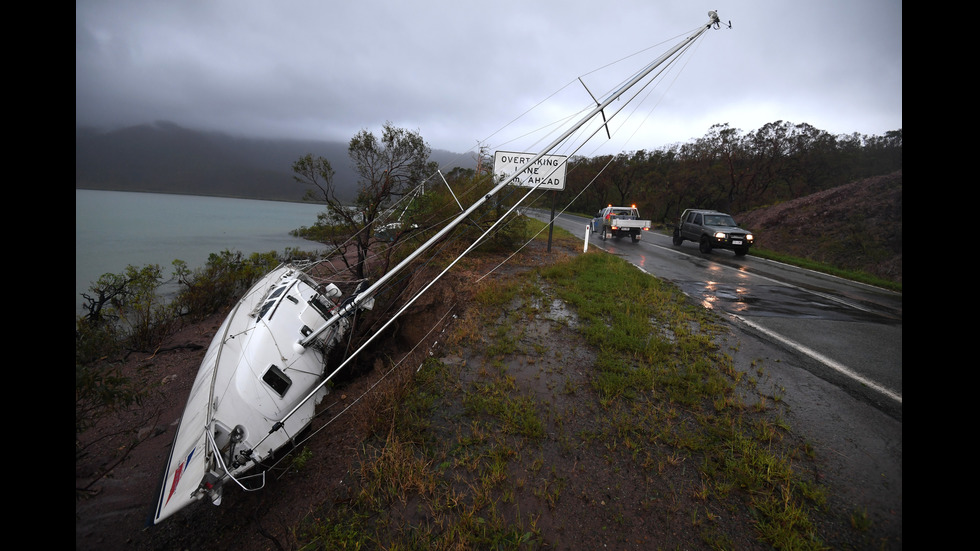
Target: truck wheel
x=603 y=233
x=741 y=251
x=677 y=239
x=635 y=237
x=705 y=245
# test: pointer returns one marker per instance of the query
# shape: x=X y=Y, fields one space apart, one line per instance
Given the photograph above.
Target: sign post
x=548 y=172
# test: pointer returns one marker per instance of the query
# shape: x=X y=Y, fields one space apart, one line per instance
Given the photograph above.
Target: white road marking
x=840 y=368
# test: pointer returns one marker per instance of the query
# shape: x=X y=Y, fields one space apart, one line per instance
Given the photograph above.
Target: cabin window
x=265 y=308
x=278 y=380
x=271 y=301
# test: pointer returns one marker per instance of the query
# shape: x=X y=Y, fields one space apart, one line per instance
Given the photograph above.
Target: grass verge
x=852 y=275
x=579 y=403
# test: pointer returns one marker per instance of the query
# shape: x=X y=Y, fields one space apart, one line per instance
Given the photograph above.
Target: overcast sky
x=459 y=71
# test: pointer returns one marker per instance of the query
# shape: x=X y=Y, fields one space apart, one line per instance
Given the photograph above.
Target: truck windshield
x=718 y=220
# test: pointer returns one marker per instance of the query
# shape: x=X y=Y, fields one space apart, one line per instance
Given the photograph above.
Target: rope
x=499 y=223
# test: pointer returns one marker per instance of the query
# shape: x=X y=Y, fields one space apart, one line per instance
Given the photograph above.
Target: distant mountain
x=166 y=158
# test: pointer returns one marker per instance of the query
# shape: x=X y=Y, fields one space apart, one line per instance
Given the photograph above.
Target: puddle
x=769 y=301
x=558 y=311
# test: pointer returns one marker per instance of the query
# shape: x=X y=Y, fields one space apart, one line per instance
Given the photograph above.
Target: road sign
x=548 y=172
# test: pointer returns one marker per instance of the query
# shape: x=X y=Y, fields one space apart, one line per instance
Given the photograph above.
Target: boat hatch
x=317 y=310
x=278 y=380
x=321 y=306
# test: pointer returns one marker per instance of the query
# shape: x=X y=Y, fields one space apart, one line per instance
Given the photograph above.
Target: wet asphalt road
x=846 y=333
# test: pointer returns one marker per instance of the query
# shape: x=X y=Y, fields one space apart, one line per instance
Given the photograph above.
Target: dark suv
x=712 y=230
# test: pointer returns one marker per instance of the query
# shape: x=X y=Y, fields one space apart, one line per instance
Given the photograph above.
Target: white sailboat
x=268 y=366
x=252 y=376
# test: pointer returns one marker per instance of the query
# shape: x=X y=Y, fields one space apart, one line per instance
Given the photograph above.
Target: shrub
x=224 y=278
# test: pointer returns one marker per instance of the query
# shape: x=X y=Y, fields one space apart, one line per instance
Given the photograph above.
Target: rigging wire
x=497 y=223
x=629 y=114
x=555 y=127
x=366 y=391
x=635 y=106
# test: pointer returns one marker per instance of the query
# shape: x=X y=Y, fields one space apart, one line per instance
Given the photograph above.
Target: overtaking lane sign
x=548 y=172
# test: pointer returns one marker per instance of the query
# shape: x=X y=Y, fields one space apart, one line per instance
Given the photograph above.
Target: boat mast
x=349 y=307
x=367 y=293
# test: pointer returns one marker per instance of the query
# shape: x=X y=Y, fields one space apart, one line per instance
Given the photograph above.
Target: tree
x=589 y=180
x=128 y=306
x=388 y=168
x=318 y=174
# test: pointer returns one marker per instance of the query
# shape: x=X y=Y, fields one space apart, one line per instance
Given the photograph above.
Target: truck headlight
x=720 y=235
x=749 y=237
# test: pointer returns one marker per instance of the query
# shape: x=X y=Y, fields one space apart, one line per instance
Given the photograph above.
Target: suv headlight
x=749 y=237
x=720 y=235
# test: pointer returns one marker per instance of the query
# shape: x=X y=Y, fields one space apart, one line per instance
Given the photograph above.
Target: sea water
x=115 y=229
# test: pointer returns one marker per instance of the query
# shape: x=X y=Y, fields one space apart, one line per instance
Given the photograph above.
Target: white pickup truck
x=618 y=222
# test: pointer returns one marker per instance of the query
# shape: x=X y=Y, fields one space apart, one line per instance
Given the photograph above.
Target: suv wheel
x=705 y=245
x=677 y=238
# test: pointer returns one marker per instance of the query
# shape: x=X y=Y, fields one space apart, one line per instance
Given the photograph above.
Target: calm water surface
x=114 y=229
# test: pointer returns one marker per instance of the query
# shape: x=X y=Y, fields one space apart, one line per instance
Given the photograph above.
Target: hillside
x=166 y=158
x=855 y=226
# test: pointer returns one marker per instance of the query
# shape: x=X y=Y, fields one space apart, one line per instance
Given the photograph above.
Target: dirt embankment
x=855 y=226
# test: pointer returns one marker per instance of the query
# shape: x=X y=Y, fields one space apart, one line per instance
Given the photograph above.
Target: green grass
x=661 y=398
x=852 y=275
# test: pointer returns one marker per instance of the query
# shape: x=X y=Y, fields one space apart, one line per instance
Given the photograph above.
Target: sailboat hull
x=252 y=375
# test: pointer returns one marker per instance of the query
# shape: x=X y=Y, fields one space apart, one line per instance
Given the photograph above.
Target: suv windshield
x=718 y=220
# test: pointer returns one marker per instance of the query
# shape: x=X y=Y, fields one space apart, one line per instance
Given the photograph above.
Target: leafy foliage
x=224 y=278
x=388 y=168
x=731 y=171
x=126 y=312
x=464 y=187
x=126 y=305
